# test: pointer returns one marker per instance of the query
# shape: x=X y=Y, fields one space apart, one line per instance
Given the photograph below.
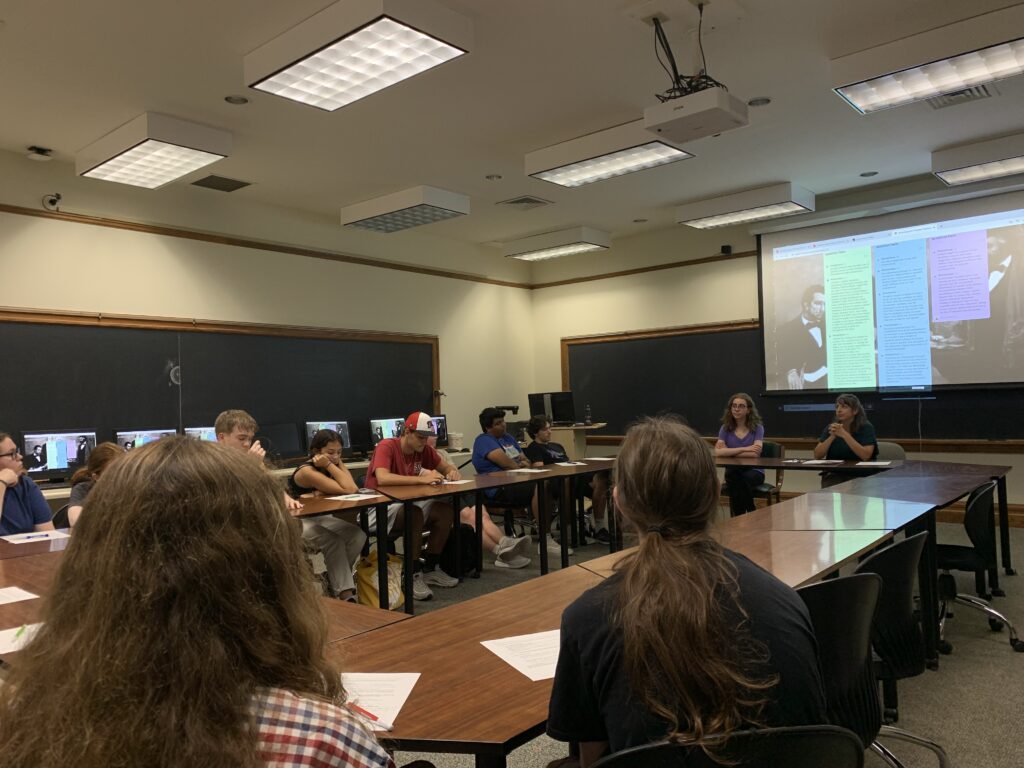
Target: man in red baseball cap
x=409 y=460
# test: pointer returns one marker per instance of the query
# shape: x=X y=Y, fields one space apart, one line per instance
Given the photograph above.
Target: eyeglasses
x=11 y=454
x=739 y=406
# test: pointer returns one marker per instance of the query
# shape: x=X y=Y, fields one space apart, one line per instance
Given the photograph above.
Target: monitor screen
x=381 y=429
x=201 y=433
x=280 y=440
x=136 y=438
x=341 y=427
x=57 y=453
x=557 y=406
x=440 y=426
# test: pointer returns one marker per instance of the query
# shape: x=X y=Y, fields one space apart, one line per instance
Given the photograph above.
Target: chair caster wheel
x=995 y=625
x=1017 y=645
x=945 y=647
x=890 y=716
x=998 y=593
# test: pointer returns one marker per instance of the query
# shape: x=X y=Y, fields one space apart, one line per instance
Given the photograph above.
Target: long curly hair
x=688 y=652
x=182 y=593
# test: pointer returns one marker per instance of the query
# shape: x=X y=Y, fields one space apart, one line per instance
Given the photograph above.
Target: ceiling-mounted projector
x=696 y=115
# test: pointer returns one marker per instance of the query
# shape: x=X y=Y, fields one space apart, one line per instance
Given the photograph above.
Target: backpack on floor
x=367 y=585
x=471 y=561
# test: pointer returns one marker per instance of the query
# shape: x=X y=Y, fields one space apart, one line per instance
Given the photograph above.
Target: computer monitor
x=280 y=441
x=557 y=406
x=56 y=453
x=381 y=429
x=341 y=427
x=136 y=438
x=440 y=427
x=202 y=433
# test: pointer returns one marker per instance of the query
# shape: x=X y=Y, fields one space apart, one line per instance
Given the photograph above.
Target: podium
x=574 y=438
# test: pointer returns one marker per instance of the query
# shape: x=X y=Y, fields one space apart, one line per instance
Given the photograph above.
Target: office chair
x=842 y=611
x=979 y=559
x=890 y=452
x=896 y=636
x=60 y=517
x=808 y=746
x=767 y=491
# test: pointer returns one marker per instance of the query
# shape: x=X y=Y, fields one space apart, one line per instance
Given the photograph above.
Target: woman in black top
x=341 y=542
x=850 y=437
x=687 y=639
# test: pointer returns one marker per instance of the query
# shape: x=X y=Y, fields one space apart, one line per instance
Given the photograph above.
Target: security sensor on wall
x=52 y=202
x=39 y=154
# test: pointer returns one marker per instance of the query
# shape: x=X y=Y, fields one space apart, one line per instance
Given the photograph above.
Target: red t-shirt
x=388 y=454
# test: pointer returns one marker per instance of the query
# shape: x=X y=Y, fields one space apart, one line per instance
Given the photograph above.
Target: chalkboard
x=693 y=371
x=105 y=378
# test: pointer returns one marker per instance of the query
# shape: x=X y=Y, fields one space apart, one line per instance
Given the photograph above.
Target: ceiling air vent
x=974 y=93
x=525 y=203
x=221 y=183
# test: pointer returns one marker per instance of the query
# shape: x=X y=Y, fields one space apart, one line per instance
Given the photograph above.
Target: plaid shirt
x=294 y=731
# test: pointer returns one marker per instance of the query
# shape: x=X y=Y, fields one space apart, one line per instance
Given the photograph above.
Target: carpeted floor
x=969 y=705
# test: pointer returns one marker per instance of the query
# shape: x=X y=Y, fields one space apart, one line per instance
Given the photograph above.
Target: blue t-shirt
x=486 y=443
x=24 y=508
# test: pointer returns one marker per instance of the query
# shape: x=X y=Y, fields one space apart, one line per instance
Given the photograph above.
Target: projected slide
x=909 y=308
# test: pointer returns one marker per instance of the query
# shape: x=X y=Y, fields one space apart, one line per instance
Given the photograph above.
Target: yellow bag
x=366 y=581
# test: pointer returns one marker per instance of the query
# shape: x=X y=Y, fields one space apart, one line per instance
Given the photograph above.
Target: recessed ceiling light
x=236 y=100
x=759 y=101
x=869 y=174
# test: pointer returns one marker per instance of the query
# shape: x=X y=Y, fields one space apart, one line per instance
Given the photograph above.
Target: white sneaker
x=439 y=578
x=554 y=548
x=420 y=590
x=511 y=561
x=509 y=546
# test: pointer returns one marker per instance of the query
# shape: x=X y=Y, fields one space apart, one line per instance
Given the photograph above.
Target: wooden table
x=29 y=548
x=467 y=700
x=345 y=619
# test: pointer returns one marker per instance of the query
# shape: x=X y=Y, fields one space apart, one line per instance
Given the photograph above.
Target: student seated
x=741 y=437
x=687 y=639
x=850 y=437
x=85 y=477
x=508 y=551
x=237 y=429
x=182 y=630
x=544 y=451
x=495 y=450
x=340 y=541
x=24 y=509
x=408 y=460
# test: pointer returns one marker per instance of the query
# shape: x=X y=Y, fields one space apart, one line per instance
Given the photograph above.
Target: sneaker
x=603 y=536
x=511 y=561
x=439 y=578
x=509 y=546
x=554 y=548
x=420 y=590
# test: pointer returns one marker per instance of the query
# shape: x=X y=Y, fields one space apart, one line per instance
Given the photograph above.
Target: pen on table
x=370 y=716
x=20 y=632
x=28 y=536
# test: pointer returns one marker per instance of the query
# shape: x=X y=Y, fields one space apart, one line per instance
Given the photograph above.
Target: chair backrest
x=60 y=517
x=896 y=631
x=890 y=451
x=979 y=523
x=809 y=746
x=842 y=611
x=770 y=450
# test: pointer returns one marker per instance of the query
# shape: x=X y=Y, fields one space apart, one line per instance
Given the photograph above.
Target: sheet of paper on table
x=355 y=497
x=380 y=695
x=14 y=595
x=873 y=463
x=25 y=538
x=16 y=638
x=572 y=463
x=822 y=461
x=526 y=471
x=600 y=458
x=534 y=655
x=456 y=482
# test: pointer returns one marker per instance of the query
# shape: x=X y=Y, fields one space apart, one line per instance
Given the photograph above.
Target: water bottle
x=586 y=415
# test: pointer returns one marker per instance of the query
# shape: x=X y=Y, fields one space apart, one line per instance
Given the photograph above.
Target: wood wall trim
x=641 y=270
x=652 y=333
x=910 y=444
x=261 y=245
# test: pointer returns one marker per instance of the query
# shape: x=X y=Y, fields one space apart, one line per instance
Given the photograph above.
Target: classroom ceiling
x=539 y=72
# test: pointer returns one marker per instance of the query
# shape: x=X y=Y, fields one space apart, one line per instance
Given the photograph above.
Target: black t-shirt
x=294 y=489
x=841 y=450
x=592 y=700
x=549 y=453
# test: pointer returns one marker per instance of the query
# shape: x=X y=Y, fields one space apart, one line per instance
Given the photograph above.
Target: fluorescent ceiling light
x=403 y=210
x=551 y=245
x=980 y=161
x=152 y=150
x=355 y=48
x=602 y=155
x=743 y=207
x=943 y=60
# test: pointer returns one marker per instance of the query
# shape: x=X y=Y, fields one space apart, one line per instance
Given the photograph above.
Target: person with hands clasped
x=409 y=460
x=340 y=541
x=851 y=437
x=741 y=437
x=24 y=509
